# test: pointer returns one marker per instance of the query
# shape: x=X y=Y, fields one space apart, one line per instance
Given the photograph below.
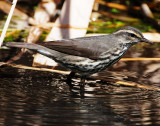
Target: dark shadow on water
x=42 y=98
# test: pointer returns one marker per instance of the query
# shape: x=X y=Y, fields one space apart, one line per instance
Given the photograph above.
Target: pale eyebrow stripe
x=129 y=31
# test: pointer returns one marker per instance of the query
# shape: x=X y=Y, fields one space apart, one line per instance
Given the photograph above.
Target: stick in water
x=7 y=22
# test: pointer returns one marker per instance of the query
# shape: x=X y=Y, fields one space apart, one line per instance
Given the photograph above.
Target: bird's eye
x=132 y=35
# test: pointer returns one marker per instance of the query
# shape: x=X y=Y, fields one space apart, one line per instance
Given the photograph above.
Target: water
x=37 y=98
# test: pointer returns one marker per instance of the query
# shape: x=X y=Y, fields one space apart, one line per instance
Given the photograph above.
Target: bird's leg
x=82 y=83
x=69 y=78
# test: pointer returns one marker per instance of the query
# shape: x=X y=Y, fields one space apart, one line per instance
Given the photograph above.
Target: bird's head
x=130 y=36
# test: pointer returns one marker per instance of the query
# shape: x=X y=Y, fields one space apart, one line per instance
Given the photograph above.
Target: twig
x=39 y=69
x=7 y=22
x=117 y=6
x=127 y=83
x=140 y=59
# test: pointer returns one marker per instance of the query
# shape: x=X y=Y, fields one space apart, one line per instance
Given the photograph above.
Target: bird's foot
x=69 y=79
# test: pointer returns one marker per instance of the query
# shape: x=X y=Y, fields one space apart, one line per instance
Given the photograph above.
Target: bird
x=87 y=55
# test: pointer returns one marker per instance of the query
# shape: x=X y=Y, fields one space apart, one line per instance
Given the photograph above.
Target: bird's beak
x=146 y=40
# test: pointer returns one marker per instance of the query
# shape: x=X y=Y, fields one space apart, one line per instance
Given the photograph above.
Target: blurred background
x=106 y=16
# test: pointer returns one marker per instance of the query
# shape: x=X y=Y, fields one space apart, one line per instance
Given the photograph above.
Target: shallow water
x=30 y=97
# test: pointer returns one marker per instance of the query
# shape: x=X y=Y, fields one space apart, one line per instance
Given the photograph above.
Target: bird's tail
x=34 y=47
x=24 y=45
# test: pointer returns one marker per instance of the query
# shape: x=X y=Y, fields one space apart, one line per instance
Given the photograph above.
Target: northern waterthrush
x=88 y=55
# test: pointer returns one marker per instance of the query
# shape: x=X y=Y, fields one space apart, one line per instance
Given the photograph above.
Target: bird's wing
x=90 y=47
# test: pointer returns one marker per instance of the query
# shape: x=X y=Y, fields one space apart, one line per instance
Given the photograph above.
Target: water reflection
x=37 y=102
x=42 y=98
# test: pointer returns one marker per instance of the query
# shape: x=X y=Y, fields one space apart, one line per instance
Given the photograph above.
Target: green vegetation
x=110 y=26
x=15 y=35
